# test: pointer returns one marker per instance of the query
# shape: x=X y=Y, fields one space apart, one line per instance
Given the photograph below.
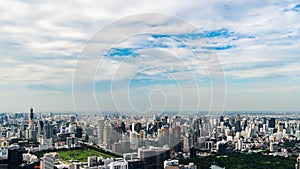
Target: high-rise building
x=31 y=117
x=78 y=132
x=250 y=133
x=119 y=164
x=264 y=120
x=135 y=164
x=48 y=130
x=221 y=146
x=107 y=134
x=40 y=127
x=117 y=147
x=134 y=142
x=238 y=126
x=187 y=143
x=92 y=161
x=125 y=146
x=273 y=147
x=153 y=158
x=165 y=135
x=40 y=130
x=137 y=127
x=72 y=119
x=280 y=127
x=272 y=123
x=100 y=131
x=31 y=132
x=47 y=161
x=15 y=158
x=239 y=144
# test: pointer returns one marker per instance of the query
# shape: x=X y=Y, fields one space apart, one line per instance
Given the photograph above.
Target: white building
x=29 y=158
x=134 y=141
x=239 y=144
x=47 y=161
x=100 y=128
x=119 y=164
x=175 y=163
x=171 y=163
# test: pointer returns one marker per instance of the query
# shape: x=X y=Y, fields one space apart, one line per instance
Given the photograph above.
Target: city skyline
x=161 y=141
x=257 y=45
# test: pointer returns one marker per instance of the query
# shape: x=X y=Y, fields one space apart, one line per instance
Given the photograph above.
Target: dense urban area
x=150 y=141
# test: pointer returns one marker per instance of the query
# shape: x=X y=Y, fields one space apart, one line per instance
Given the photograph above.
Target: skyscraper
x=107 y=134
x=177 y=137
x=31 y=117
x=48 y=130
x=31 y=132
x=239 y=144
x=272 y=123
x=100 y=131
x=40 y=127
x=15 y=158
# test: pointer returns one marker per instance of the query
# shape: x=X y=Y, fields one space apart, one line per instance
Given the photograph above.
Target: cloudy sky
x=149 y=56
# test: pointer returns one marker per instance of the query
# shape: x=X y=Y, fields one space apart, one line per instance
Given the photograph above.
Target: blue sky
x=256 y=43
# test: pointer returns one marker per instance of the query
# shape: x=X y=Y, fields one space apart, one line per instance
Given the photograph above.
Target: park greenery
x=77 y=154
x=81 y=155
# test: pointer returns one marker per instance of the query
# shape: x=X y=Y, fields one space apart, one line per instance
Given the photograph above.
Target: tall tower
x=100 y=129
x=31 y=116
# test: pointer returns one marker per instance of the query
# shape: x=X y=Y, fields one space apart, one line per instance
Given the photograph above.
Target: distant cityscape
x=155 y=141
x=149 y=84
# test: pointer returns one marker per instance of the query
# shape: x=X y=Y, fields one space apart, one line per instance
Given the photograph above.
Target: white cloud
x=42 y=39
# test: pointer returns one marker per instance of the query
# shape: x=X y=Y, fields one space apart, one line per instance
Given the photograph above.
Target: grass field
x=81 y=155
